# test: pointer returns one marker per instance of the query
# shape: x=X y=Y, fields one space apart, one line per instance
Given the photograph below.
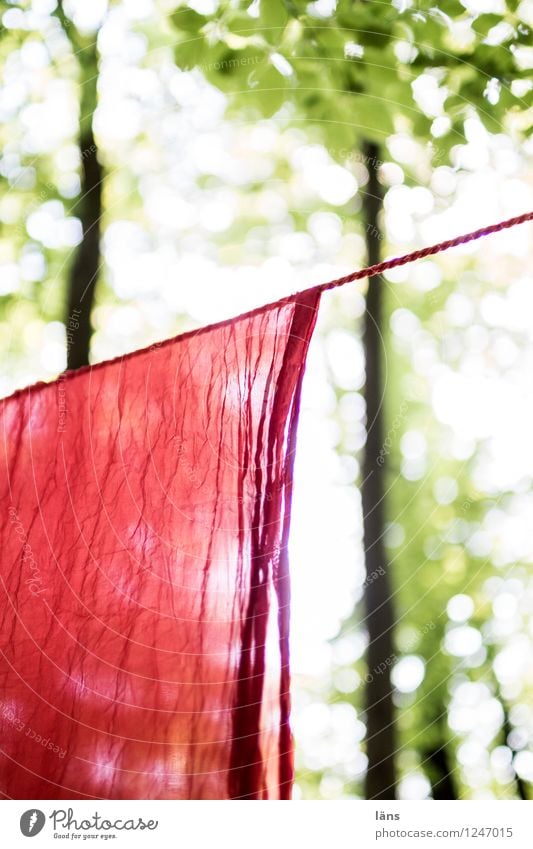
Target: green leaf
x=524 y=34
x=189 y=54
x=484 y=23
x=273 y=17
x=327 y=40
x=187 y=20
x=421 y=125
x=493 y=61
x=269 y=87
x=491 y=119
x=230 y=70
x=452 y=8
x=371 y=116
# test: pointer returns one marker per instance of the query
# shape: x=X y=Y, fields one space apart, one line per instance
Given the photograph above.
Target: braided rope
x=369 y=271
x=378 y=268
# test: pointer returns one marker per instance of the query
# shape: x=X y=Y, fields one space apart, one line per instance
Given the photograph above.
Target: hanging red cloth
x=145 y=613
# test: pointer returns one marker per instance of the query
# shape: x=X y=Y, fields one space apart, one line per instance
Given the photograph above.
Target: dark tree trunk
x=380 y=719
x=84 y=270
x=439 y=769
x=83 y=274
x=521 y=785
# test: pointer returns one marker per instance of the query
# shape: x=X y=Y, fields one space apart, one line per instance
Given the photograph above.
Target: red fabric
x=144 y=633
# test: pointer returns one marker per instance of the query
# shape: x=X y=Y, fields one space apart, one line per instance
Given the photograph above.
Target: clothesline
x=394 y=262
x=368 y=271
x=378 y=268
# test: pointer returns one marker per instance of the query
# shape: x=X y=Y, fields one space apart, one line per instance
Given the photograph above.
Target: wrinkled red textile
x=144 y=628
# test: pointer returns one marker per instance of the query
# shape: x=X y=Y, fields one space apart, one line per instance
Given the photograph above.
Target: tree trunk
x=521 y=785
x=438 y=768
x=83 y=274
x=380 y=719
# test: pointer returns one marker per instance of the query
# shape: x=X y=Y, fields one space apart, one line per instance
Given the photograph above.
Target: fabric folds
x=144 y=578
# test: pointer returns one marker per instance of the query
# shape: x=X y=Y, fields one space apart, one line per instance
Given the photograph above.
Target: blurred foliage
x=353 y=71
